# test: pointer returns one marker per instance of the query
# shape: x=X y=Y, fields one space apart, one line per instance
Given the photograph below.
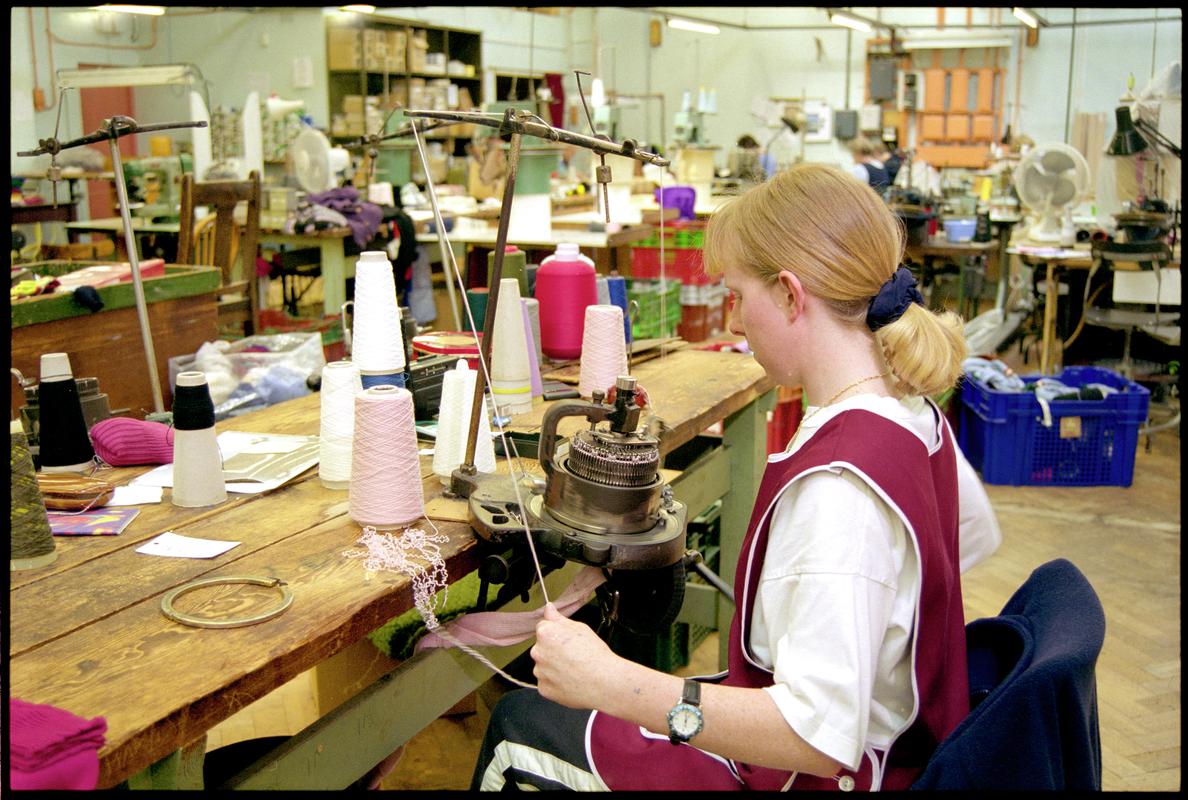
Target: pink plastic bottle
x=565 y=284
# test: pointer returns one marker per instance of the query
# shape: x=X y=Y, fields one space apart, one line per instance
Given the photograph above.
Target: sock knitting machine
x=603 y=502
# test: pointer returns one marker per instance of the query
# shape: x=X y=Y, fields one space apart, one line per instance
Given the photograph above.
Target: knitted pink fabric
x=126 y=442
x=50 y=748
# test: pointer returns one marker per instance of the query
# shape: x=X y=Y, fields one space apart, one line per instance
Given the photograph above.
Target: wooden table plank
x=88 y=635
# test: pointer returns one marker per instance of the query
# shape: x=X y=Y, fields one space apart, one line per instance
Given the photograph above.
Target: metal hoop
x=199 y=622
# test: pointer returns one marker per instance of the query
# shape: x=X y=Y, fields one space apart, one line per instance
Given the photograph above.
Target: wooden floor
x=1125 y=540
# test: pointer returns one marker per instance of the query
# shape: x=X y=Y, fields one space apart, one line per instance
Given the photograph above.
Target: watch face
x=685 y=720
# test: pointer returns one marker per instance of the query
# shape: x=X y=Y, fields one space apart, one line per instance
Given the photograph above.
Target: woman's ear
x=790 y=292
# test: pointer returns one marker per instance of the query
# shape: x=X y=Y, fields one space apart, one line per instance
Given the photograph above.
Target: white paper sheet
x=232 y=443
x=132 y=495
x=175 y=546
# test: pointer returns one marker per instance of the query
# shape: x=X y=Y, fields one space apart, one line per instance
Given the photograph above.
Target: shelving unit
x=373 y=65
x=957 y=103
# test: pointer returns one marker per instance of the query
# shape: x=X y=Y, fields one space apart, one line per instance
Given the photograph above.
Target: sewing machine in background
x=154 y=185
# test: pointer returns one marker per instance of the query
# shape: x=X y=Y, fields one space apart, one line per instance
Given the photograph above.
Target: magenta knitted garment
x=51 y=748
x=126 y=442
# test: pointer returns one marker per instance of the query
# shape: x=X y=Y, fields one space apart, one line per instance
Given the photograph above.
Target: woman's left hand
x=572 y=663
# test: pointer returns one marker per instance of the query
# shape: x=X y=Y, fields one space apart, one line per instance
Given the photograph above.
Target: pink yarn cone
x=126 y=442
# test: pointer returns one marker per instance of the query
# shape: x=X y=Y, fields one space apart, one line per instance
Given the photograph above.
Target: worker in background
x=892 y=158
x=848 y=634
x=749 y=163
x=867 y=167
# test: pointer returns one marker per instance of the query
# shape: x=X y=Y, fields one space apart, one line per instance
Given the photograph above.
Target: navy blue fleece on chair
x=1033 y=689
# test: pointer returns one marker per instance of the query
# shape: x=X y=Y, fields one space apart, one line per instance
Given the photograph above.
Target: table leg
x=334 y=274
x=1051 y=298
x=744 y=435
x=181 y=769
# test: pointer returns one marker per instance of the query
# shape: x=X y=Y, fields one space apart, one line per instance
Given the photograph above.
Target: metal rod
x=513 y=160
x=146 y=334
x=529 y=125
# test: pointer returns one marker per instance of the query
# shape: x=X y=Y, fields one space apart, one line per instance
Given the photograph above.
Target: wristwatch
x=685 y=720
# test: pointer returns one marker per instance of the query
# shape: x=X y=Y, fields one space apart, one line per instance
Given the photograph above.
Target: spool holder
x=518 y=124
x=111 y=130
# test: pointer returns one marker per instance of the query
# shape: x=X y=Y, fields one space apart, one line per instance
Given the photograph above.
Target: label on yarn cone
x=377 y=344
x=604 y=350
x=385 y=489
x=511 y=381
x=31 y=543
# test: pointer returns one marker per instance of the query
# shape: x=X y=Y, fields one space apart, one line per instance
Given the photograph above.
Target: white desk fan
x=1051 y=179
x=315 y=163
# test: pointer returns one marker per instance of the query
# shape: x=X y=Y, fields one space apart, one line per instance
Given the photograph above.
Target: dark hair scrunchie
x=893 y=298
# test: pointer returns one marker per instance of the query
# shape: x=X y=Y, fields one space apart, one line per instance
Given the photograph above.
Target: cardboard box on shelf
x=356 y=103
x=397 y=40
x=343 y=49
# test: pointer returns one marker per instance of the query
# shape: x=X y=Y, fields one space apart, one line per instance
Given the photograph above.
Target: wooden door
x=98 y=105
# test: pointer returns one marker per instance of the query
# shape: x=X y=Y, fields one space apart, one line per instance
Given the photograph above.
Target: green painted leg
x=745 y=437
x=181 y=769
x=334 y=275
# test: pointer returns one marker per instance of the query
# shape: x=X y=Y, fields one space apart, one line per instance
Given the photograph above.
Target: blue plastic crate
x=1089 y=442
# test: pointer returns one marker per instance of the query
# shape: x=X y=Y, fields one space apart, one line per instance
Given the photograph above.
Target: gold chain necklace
x=833 y=399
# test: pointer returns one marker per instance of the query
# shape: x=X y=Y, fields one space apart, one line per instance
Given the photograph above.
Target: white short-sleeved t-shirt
x=835 y=606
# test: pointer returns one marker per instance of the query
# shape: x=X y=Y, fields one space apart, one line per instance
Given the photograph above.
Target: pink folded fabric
x=50 y=748
x=502 y=628
x=127 y=442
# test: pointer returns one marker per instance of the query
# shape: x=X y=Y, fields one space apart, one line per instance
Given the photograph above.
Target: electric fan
x=1050 y=179
x=315 y=162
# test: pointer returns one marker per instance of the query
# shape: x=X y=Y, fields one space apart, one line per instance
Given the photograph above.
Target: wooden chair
x=216 y=240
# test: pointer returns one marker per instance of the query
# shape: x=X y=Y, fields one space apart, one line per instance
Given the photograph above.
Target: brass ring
x=199 y=622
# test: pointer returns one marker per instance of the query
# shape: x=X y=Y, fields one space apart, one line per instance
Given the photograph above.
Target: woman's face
x=760 y=312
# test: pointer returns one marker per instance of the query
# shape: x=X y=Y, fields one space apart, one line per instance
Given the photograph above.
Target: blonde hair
x=861 y=146
x=838 y=237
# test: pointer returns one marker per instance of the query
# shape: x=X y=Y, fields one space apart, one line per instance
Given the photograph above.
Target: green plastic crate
x=648 y=324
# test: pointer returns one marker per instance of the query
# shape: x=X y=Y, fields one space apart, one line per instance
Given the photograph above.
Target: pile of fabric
x=50 y=748
x=337 y=208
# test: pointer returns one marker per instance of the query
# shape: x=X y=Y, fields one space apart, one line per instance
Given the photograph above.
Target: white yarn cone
x=340 y=383
x=377 y=347
x=511 y=381
x=453 y=426
x=197 y=463
x=604 y=349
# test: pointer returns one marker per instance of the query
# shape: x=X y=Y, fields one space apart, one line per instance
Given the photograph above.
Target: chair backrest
x=217 y=240
x=1033 y=686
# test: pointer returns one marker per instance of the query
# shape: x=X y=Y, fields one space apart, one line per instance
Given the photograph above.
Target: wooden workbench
x=107 y=344
x=87 y=633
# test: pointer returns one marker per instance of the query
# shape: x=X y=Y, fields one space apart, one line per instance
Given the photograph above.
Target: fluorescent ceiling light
x=154 y=11
x=165 y=74
x=690 y=25
x=1026 y=17
x=941 y=40
x=597 y=93
x=849 y=21
x=359 y=9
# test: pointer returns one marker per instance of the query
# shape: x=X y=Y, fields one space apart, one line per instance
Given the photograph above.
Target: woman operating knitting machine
x=846 y=660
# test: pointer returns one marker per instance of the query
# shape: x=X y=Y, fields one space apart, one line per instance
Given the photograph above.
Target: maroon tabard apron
x=921 y=487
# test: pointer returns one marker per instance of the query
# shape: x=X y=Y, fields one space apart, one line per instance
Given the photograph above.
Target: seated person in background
x=867 y=168
x=892 y=159
x=748 y=162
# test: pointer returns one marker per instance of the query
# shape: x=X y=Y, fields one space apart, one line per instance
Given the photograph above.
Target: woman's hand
x=572 y=663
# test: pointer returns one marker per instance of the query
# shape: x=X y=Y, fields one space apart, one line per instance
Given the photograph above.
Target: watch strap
x=691 y=692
